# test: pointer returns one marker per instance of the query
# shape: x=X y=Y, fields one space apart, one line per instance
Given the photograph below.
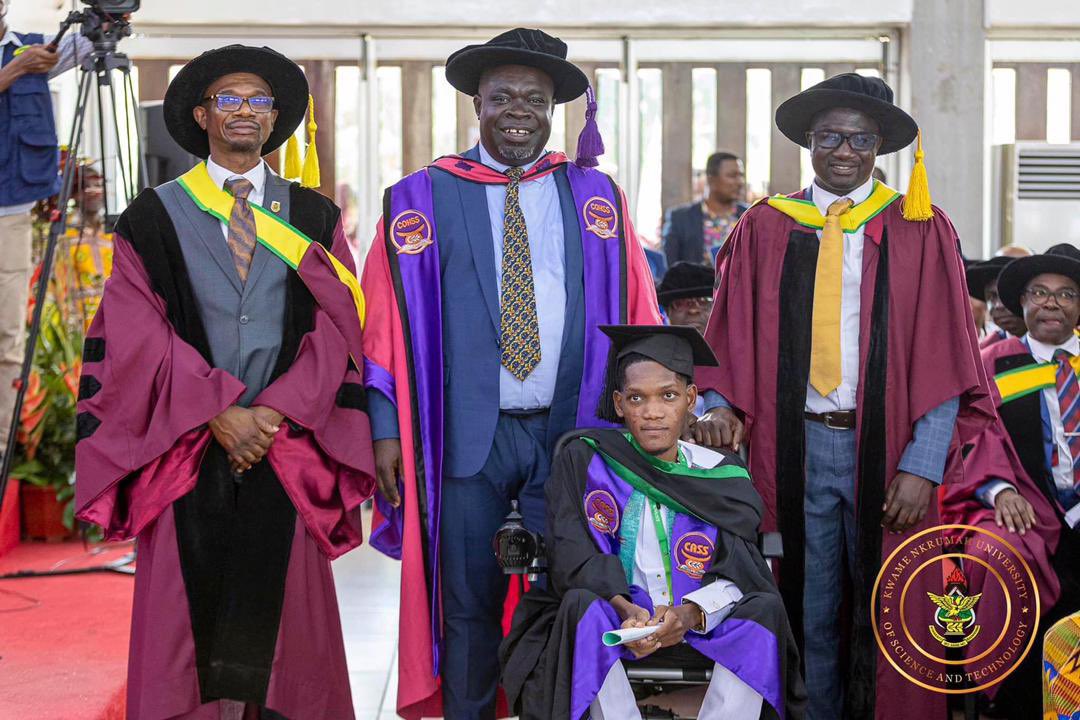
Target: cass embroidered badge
x=602 y=512
x=410 y=232
x=600 y=218
x=693 y=551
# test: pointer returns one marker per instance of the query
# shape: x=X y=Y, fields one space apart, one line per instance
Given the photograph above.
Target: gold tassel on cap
x=310 y=177
x=292 y=158
x=917 y=201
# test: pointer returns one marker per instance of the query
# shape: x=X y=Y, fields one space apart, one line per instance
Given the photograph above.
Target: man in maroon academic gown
x=1023 y=473
x=221 y=415
x=850 y=369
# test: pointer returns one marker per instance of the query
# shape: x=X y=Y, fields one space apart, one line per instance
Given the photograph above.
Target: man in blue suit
x=501 y=262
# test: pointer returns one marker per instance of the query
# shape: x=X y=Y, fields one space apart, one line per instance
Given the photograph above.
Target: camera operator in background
x=29 y=171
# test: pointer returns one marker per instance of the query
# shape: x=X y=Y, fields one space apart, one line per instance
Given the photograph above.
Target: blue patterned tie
x=1069 y=402
x=520 y=330
x=241 y=226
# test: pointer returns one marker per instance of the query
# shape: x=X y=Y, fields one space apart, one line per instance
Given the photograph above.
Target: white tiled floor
x=367 y=586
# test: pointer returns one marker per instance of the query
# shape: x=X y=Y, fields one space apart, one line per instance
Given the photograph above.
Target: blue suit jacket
x=684 y=232
x=470 y=315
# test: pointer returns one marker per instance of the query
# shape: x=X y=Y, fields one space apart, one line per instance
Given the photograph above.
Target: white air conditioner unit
x=1037 y=194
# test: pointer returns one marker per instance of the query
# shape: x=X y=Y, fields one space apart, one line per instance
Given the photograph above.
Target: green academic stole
x=1019 y=382
x=806 y=213
x=273 y=233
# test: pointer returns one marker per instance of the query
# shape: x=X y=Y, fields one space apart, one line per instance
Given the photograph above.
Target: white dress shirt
x=256 y=176
x=843 y=397
x=539 y=200
x=718 y=597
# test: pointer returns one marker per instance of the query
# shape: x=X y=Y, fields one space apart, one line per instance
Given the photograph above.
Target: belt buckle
x=828 y=422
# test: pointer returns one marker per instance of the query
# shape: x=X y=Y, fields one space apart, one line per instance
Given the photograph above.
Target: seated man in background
x=644 y=530
x=1024 y=469
x=982 y=281
x=695 y=232
x=685 y=294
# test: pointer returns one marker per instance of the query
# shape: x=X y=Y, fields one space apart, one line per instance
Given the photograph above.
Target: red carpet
x=64 y=640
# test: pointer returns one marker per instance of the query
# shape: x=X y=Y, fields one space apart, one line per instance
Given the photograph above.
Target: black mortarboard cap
x=677 y=347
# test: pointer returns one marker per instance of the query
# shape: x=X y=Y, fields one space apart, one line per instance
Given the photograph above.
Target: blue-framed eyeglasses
x=232 y=103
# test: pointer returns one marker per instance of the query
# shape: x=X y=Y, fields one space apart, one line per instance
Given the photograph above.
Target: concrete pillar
x=153 y=79
x=1074 y=72
x=947 y=54
x=678 y=115
x=1031 y=101
x=832 y=69
x=784 y=166
x=731 y=108
x=468 y=127
x=415 y=115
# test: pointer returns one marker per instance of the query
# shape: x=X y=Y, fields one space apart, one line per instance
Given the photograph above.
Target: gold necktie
x=825 y=374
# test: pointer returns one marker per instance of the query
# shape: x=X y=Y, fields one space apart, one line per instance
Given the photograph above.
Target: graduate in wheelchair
x=654 y=569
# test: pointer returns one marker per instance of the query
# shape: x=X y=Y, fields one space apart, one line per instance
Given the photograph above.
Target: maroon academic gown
x=142 y=462
x=992 y=455
x=917 y=349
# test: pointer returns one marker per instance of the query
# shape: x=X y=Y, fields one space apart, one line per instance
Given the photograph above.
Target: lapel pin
x=275 y=206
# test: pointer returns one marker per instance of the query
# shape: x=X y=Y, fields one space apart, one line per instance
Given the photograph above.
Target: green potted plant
x=45 y=460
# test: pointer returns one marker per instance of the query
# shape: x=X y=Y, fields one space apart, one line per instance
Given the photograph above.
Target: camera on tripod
x=113 y=7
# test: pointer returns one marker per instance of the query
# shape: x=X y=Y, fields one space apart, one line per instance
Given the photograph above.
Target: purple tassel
x=589 y=143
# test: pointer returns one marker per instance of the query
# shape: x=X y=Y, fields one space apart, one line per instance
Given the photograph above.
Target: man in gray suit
x=222 y=416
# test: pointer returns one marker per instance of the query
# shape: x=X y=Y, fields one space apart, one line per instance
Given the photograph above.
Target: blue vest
x=29 y=156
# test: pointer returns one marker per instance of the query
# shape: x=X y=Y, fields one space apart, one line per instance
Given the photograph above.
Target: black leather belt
x=835 y=420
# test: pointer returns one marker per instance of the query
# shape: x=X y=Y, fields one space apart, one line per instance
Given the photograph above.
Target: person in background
x=1025 y=468
x=29 y=172
x=982 y=281
x=685 y=296
x=695 y=232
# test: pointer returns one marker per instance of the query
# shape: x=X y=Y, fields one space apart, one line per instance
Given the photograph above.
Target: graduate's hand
x=1013 y=511
x=388 y=468
x=906 y=502
x=718 y=428
x=634 y=616
x=674 y=622
x=239 y=433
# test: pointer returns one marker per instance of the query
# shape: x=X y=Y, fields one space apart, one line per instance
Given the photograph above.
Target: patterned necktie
x=825 y=372
x=241 y=226
x=1069 y=401
x=520 y=331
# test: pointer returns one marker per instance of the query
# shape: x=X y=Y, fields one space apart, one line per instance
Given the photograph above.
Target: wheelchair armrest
x=771 y=545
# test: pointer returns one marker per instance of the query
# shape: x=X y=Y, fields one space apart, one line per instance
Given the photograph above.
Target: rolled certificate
x=628 y=635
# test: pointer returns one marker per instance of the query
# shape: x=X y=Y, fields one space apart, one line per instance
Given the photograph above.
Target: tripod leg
x=56 y=229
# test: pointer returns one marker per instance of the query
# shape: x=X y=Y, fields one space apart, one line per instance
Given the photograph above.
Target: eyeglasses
x=859 y=142
x=1064 y=298
x=685 y=304
x=232 y=103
